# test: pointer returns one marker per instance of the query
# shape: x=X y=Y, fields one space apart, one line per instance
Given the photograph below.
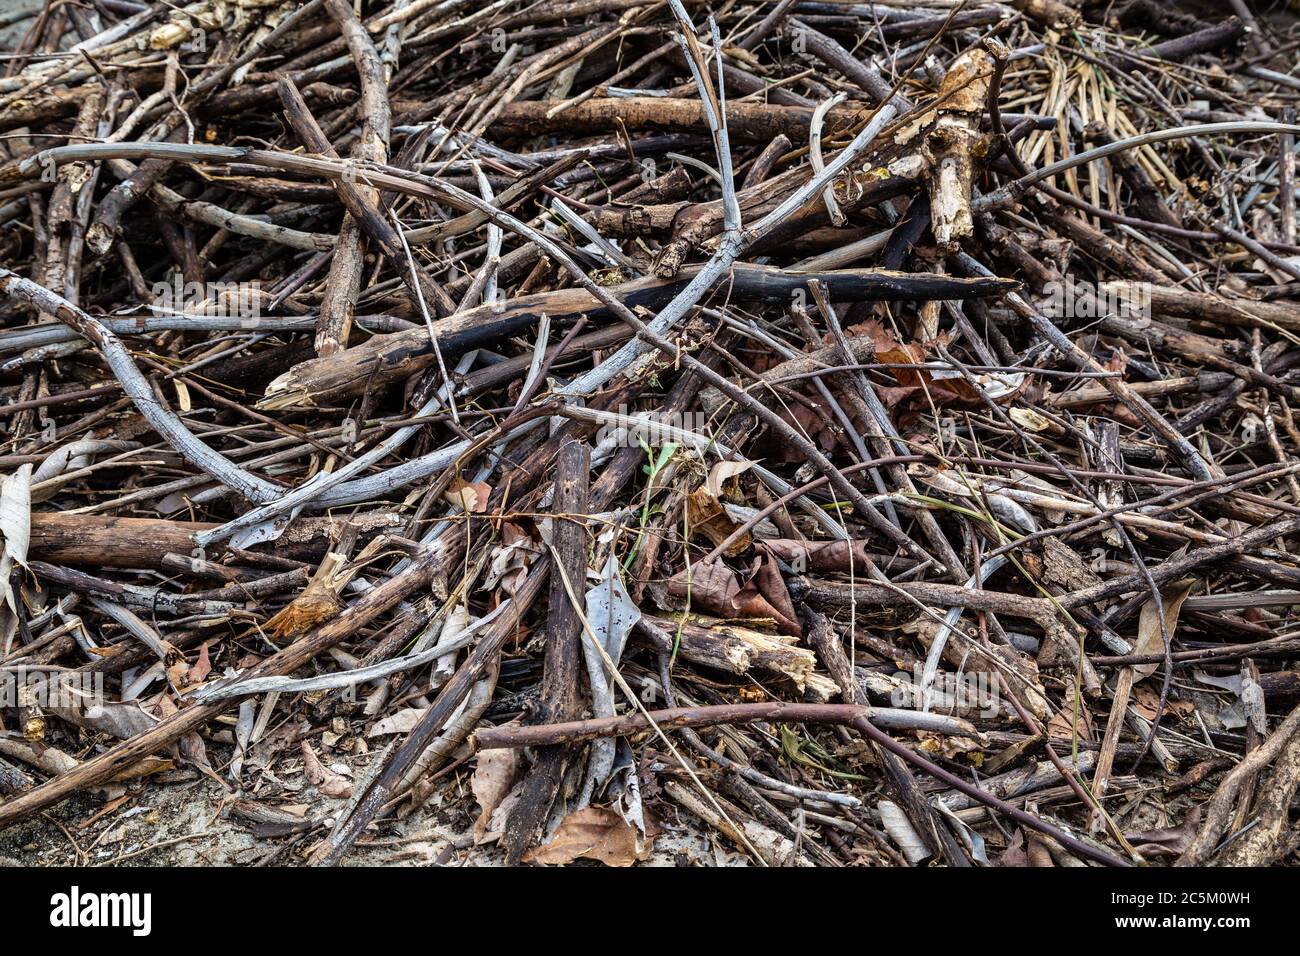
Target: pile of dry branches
x=839 y=433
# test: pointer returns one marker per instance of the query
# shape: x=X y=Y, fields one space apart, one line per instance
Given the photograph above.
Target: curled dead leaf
x=706 y=515
x=723 y=472
x=593 y=833
x=471 y=497
x=715 y=588
x=821 y=555
x=328 y=782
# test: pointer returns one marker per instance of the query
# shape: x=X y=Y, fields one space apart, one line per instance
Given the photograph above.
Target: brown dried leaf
x=325 y=780
x=1167 y=841
x=916 y=382
x=511 y=559
x=706 y=515
x=471 y=496
x=592 y=833
x=493 y=779
x=1038 y=854
x=1146 y=699
x=821 y=555
x=715 y=588
x=202 y=667
x=1014 y=854
x=178 y=668
x=1059 y=727
x=723 y=472
x=1149 y=641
